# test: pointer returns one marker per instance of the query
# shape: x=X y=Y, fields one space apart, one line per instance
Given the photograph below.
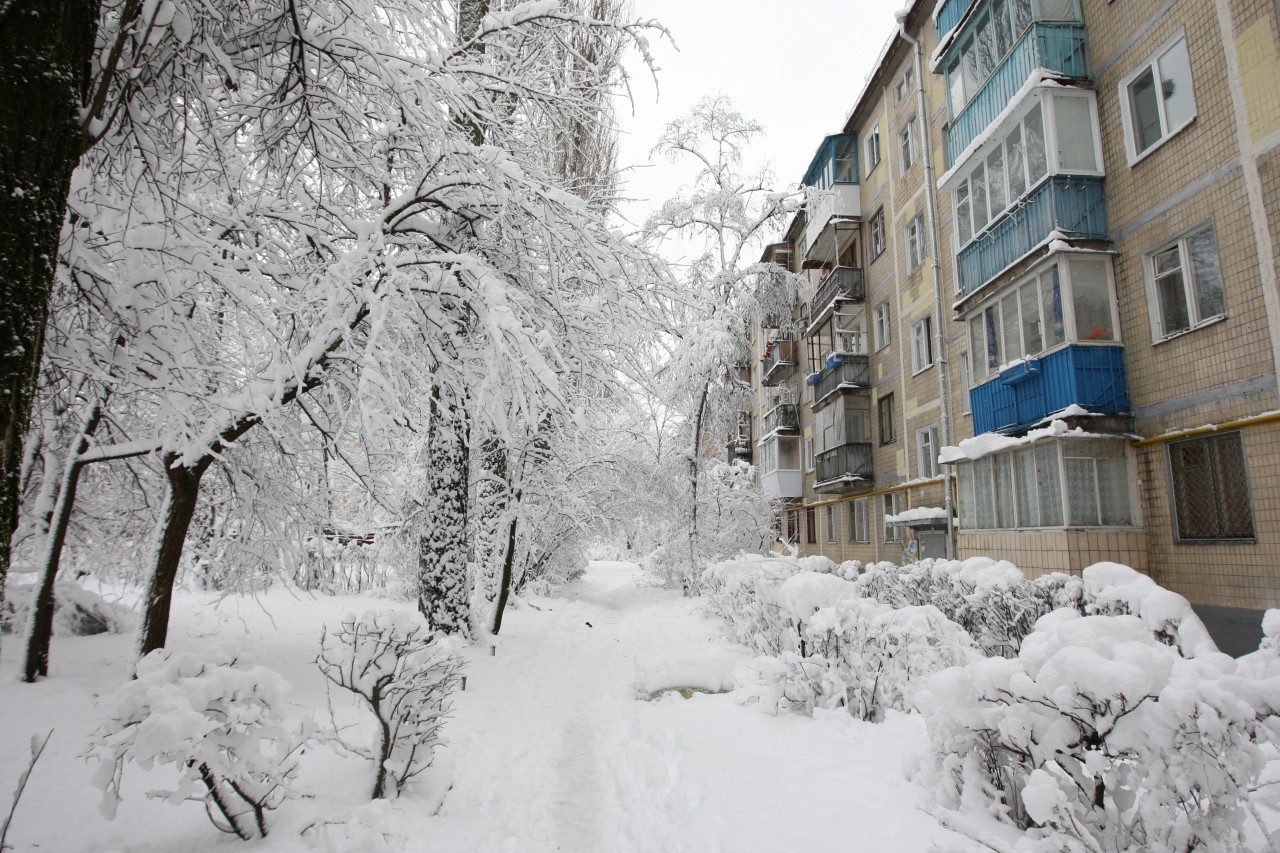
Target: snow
x=919 y=513
x=993 y=442
x=547 y=749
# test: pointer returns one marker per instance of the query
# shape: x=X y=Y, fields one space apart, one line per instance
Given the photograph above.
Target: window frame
x=886 y=419
x=1190 y=289
x=927 y=451
x=1174 y=510
x=966 y=382
x=921 y=345
x=872 y=146
x=909 y=144
x=917 y=251
x=882 y=325
x=892 y=505
x=859 y=529
x=902 y=89
x=809 y=463
x=811 y=525
x=877 y=242
x=831 y=524
x=1167 y=132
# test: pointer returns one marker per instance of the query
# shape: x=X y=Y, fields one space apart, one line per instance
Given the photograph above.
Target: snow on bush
x=77 y=612
x=218 y=718
x=1100 y=736
x=403 y=675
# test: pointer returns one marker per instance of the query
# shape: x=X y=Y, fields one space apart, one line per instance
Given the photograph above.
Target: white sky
x=795 y=66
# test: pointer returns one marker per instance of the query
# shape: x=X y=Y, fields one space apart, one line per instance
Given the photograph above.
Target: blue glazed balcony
x=1056 y=47
x=1071 y=204
x=1022 y=396
x=950 y=15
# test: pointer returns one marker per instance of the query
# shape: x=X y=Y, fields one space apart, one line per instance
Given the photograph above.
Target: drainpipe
x=931 y=215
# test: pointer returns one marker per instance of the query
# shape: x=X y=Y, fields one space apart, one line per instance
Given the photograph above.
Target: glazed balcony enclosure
x=780 y=474
x=779 y=360
x=831 y=194
x=1024 y=394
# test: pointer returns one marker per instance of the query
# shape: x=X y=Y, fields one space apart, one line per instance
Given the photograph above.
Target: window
x=808 y=454
x=965 y=381
x=1185 y=284
x=858 y=529
x=873 y=148
x=909 y=144
x=881 y=326
x=831 y=523
x=1029 y=319
x=985 y=46
x=888 y=433
x=793 y=527
x=903 y=87
x=927 y=451
x=811 y=525
x=877 y=234
x=892 y=506
x=915 y=242
x=1210 y=489
x=1158 y=98
x=1076 y=482
x=921 y=345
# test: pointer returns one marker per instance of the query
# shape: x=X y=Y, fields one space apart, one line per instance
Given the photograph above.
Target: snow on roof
x=919 y=513
x=992 y=442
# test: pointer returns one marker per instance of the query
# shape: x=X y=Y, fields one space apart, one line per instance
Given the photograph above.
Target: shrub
x=403 y=675
x=217 y=718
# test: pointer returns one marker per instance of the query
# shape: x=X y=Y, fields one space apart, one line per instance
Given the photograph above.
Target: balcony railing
x=951 y=13
x=784 y=417
x=1071 y=205
x=841 y=283
x=779 y=361
x=1057 y=47
x=843 y=463
x=851 y=374
x=1089 y=376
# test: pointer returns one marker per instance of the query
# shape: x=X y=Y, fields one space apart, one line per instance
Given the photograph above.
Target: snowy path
x=551 y=750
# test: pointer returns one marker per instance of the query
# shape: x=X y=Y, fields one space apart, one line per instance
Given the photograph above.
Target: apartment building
x=1104 y=190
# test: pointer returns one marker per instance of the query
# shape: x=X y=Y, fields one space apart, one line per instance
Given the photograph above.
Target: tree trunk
x=443 y=596
x=46 y=48
x=40 y=624
x=504 y=587
x=694 y=455
x=179 y=507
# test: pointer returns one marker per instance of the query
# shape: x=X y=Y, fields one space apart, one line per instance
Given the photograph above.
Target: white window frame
x=873 y=148
x=927 y=451
x=892 y=506
x=909 y=144
x=903 y=87
x=831 y=524
x=1190 y=292
x=877 y=243
x=921 y=345
x=1167 y=132
x=966 y=381
x=915 y=242
x=859 y=531
x=882 y=325
x=808 y=455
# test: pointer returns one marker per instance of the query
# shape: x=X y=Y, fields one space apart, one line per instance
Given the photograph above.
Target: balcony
x=1071 y=205
x=826 y=210
x=951 y=14
x=851 y=373
x=1056 y=47
x=1022 y=396
x=847 y=283
x=779 y=361
x=782 y=484
x=843 y=466
x=783 y=418
x=739 y=448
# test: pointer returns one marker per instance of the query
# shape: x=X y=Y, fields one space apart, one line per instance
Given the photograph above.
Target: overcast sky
x=795 y=66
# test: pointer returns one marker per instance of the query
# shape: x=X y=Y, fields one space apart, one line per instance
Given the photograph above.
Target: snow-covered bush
x=743 y=592
x=218 y=718
x=403 y=674
x=1099 y=736
x=77 y=612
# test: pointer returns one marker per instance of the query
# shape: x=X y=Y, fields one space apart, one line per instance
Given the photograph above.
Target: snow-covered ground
x=551 y=746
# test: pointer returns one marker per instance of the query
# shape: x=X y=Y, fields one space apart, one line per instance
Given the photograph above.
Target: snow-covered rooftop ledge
x=916 y=514
x=993 y=442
